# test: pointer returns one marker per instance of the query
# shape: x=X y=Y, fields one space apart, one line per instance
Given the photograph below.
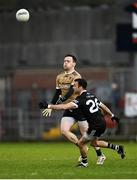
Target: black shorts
x=97 y=130
x=75 y=113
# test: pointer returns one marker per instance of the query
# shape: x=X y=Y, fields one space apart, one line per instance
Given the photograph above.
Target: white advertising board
x=130 y=104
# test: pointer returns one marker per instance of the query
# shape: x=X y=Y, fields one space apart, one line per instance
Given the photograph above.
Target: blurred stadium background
x=102 y=36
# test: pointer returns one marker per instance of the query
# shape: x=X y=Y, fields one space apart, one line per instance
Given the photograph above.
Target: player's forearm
x=106 y=109
x=56 y=96
x=45 y=105
x=56 y=107
x=61 y=106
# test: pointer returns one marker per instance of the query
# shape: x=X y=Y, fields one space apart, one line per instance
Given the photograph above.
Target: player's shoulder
x=89 y=94
x=76 y=73
x=61 y=74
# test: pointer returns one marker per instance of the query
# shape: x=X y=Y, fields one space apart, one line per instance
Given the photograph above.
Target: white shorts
x=68 y=122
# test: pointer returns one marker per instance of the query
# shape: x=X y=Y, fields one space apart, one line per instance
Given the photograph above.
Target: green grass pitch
x=58 y=161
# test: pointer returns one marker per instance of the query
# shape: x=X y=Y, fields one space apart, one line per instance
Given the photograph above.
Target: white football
x=22 y=15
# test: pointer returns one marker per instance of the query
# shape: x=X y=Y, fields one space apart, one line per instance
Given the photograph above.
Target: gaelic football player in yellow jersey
x=64 y=94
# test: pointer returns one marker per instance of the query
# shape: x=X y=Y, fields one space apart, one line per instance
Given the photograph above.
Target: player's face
x=76 y=87
x=68 y=63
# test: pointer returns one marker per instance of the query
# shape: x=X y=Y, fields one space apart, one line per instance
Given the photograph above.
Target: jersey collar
x=83 y=91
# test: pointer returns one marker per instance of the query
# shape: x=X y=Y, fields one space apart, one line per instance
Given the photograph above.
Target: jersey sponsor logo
x=88 y=95
x=64 y=86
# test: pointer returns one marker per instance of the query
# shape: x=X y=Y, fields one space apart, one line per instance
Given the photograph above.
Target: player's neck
x=69 y=71
x=83 y=91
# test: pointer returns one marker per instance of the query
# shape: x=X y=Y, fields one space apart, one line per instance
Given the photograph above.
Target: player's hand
x=46 y=112
x=60 y=100
x=43 y=104
x=115 y=118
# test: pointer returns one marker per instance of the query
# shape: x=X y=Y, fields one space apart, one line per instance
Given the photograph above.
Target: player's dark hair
x=82 y=82
x=73 y=57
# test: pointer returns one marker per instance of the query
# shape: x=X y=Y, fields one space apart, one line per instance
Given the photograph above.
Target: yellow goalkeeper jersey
x=64 y=81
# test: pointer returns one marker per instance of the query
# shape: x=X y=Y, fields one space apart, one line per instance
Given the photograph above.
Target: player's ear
x=74 y=63
x=78 y=85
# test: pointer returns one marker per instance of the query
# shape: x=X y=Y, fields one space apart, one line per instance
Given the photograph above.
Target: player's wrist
x=49 y=106
x=112 y=115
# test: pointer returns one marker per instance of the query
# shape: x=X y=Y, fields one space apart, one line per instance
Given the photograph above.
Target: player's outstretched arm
x=69 y=105
x=44 y=104
x=107 y=110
